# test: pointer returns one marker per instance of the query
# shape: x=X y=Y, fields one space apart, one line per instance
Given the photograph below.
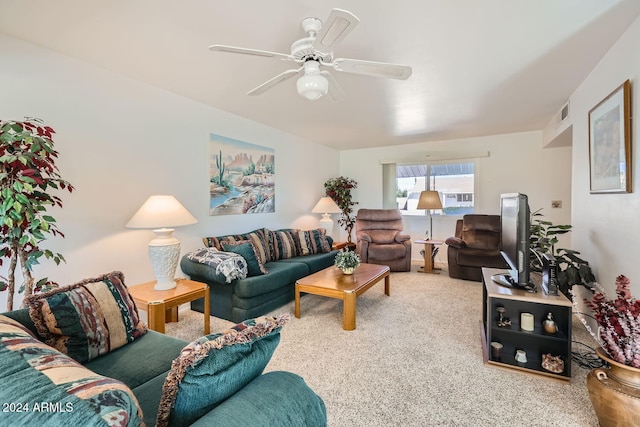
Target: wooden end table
x=161 y=305
x=332 y=283
x=344 y=246
x=428 y=256
x=338 y=245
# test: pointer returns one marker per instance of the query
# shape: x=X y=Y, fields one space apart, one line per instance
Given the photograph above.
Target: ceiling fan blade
x=338 y=25
x=274 y=81
x=371 y=68
x=255 y=52
x=335 y=90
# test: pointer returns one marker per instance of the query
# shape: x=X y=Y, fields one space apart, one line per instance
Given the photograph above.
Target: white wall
x=516 y=163
x=120 y=141
x=607 y=226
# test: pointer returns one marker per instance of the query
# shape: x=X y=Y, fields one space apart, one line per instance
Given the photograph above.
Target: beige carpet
x=415 y=359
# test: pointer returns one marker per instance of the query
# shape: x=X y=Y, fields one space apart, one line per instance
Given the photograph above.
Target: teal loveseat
x=287 y=255
x=276 y=398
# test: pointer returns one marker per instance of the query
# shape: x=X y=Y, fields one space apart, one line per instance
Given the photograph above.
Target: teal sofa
x=275 y=398
x=257 y=295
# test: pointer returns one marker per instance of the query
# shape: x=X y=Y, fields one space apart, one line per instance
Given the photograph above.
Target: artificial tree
x=339 y=189
x=572 y=270
x=28 y=174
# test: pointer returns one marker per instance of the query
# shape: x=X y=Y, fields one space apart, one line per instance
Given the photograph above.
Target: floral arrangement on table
x=619 y=323
x=347 y=261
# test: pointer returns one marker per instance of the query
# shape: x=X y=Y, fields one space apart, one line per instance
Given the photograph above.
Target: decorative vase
x=615 y=393
x=550 y=325
x=348 y=270
x=521 y=357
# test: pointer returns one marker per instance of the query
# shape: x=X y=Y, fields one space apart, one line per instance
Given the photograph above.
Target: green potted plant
x=28 y=174
x=347 y=261
x=572 y=270
x=339 y=189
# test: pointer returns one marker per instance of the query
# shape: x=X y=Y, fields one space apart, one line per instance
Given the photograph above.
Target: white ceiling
x=479 y=67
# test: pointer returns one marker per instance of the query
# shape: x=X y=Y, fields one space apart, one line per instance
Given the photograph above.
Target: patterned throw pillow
x=87 y=319
x=285 y=244
x=215 y=367
x=313 y=241
x=259 y=238
x=50 y=388
x=247 y=250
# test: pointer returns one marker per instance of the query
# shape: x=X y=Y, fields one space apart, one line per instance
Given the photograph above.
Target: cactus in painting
x=221 y=168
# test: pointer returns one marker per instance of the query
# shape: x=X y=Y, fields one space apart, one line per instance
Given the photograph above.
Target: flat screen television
x=515 y=222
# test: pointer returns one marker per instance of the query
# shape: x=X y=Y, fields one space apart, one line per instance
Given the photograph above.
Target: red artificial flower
x=623 y=287
x=619 y=321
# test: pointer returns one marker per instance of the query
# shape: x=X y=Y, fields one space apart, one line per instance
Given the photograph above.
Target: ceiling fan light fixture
x=312 y=85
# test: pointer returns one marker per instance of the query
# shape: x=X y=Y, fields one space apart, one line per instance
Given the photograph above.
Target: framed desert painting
x=610 y=143
x=241 y=177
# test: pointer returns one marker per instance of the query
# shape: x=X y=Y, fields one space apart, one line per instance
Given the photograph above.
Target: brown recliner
x=476 y=244
x=380 y=240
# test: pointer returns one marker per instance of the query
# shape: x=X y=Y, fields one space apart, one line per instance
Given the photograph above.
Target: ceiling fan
x=315 y=51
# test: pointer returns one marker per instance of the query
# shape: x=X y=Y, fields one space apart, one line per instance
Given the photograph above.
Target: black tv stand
x=505 y=279
x=537 y=343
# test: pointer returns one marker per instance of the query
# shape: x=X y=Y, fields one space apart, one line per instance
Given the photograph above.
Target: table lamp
x=429 y=200
x=326 y=206
x=159 y=213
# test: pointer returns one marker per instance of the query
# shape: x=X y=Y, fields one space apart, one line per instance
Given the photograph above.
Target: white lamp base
x=327 y=223
x=164 y=254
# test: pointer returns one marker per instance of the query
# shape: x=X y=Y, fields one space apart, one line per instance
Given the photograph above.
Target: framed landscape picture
x=241 y=177
x=610 y=143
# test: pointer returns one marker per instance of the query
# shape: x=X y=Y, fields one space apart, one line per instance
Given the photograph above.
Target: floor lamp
x=429 y=200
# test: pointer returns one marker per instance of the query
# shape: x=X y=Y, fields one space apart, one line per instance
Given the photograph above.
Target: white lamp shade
x=326 y=205
x=159 y=212
x=429 y=200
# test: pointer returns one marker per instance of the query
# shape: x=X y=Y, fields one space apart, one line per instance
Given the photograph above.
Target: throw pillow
x=247 y=250
x=259 y=238
x=285 y=244
x=313 y=241
x=216 y=366
x=87 y=319
x=50 y=388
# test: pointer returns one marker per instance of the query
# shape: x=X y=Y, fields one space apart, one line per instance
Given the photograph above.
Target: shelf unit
x=534 y=343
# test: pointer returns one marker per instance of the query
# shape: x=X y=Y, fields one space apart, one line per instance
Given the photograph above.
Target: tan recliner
x=380 y=239
x=476 y=244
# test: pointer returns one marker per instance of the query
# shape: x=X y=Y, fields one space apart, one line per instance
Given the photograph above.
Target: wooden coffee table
x=332 y=283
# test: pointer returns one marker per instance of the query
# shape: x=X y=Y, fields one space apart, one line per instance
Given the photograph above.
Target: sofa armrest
x=401 y=237
x=363 y=235
x=455 y=242
x=22 y=315
x=254 y=405
x=201 y=272
x=362 y=248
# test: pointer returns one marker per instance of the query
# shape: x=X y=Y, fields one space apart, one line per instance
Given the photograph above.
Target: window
x=454 y=182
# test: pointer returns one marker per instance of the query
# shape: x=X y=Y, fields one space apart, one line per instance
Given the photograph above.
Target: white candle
x=526 y=321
